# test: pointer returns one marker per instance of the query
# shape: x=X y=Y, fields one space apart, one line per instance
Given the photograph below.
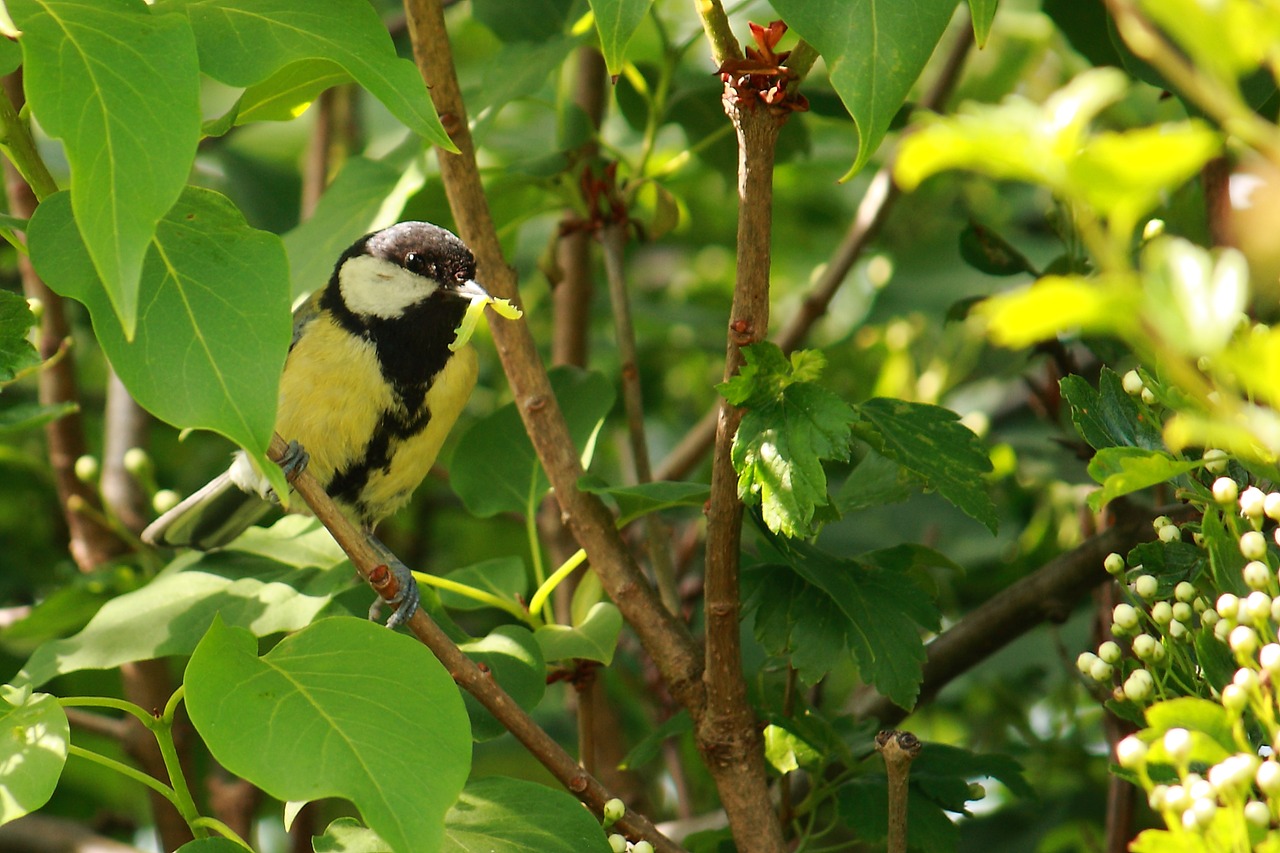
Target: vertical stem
x=898 y=749
x=728 y=736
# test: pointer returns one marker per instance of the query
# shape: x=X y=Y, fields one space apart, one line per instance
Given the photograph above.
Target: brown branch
x=464 y=671
x=728 y=737
x=877 y=203
x=665 y=637
x=1048 y=594
x=898 y=749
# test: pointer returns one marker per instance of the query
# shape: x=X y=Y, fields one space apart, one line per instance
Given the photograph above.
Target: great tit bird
x=371 y=387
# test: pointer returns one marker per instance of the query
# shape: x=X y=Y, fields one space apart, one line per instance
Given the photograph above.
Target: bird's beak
x=471 y=291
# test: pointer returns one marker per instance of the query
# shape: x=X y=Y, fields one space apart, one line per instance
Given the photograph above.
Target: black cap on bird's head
x=386 y=272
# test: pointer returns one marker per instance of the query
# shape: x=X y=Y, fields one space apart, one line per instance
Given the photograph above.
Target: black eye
x=461 y=276
x=416 y=263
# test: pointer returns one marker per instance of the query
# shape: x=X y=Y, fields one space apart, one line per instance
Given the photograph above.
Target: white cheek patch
x=376 y=287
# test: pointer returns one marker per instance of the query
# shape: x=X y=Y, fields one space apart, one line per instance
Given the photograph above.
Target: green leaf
x=943 y=772
x=791 y=425
x=1122 y=470
x=645 y=498
x=931 y=442
x=211 y=845
x=877 y=480
x=988 y=252
x=364 y=196
x=1209 y=724
x=32 y=752
x=215 y=328
x=874 y=51
x=796 y=620
x=343 y=708
x=169 y=615
x=504 y=577
x=1109 y=417
x=118 y=83
x=1058 y=304
x=617 y=21
x=595 y=638
x=16 y=352
x=982 y=13
x=347 y=835
x=863 y=806
x=283 y=96
x=24 y=416
x=883 y=608
x=512 y=655
x=528 y=20
x=244 y=42
x=786 y=751
x=495 y=469
x=647 y=749
x=520 y=70
x=501 y=815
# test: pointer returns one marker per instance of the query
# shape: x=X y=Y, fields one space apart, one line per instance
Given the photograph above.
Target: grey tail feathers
x=210 y=518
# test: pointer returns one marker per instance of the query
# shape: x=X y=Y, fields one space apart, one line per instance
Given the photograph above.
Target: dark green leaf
x=647 y=749
x=494 y=467
x=877 y=480
x=1109 y=417
x=640 y=500
x=504 y=577
x=988 y=252
x=795 y=619
x=529 y=20
x=500 y=815
x=931 y=442
x=1216 y=662
x=1169 y=563
x=24 y=416
x=938 y=762
x=343 y=708
x=864 y=808
x=119 y=84
x=616 y=21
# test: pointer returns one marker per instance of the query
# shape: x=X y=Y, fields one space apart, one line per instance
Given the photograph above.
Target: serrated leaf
x=119 y=84
x=864 y=807
x=938 y=764
x=982 y=13
x=324 y=701
x=877 y=480
x=790 y=426
x=1122 y=470
x=513 y=656
x=16 y=352
x=33 y=750
x=874 y=51
x=794 y=619
x=645 y=498
x=616 y=21
x=494 y=815
x=931 y=442
x=1109 y=417
x=169 y=615
x=595 y=638
x=244 y=42
x=504 y=577
x=211 y=341
x=495 y=469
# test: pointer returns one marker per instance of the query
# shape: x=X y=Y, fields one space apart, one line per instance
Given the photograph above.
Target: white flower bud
x=1203 y=810
x=1177 y=742
x=165 y=500
x=1146 y=586
x=1258 y=607
x=1110 y=651
x=1234 y=698
x=1176 y=630
x=1228 y=606
x=1184 y=591
x=1222 y=629
x=1144 y=646
x=1269 y=657
x=612 y=812
x=1253 y=545
x=1131 y=752
x=1157 y=798
x=1268 y=777
x=1256 y=574
x=1215 y=460
x=1170 y=533
x=1176 y=799
x=1138 y=685
x=642 y=847
x=1271 y=506
x=137 y=461
x=1209 y=618
x=1225 y=490
x=1085 y=661
x=1148 y=397
x=1101 y=671
x=1162 y=612
x=1125 y=615
x=1132 y=383
x=1246 y=679
x=1243 y=640
x=1257 y=813
x=1114 y=564
x=1252 y=500
x=1183 y=612
x=618 y=843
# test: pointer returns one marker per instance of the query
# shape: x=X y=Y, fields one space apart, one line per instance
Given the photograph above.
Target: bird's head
x=386 y=273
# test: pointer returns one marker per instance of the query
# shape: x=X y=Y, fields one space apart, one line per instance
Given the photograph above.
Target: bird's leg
x=294 y=461
x=407 y=598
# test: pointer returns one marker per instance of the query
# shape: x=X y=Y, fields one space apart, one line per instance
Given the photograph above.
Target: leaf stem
x=548 y=586
x=126 y=770
x=20 y=148
x=475 y=594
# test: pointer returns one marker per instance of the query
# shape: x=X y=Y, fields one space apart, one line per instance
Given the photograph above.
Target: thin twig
x=665 y=637
x=898 y=749
x=464 y=671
